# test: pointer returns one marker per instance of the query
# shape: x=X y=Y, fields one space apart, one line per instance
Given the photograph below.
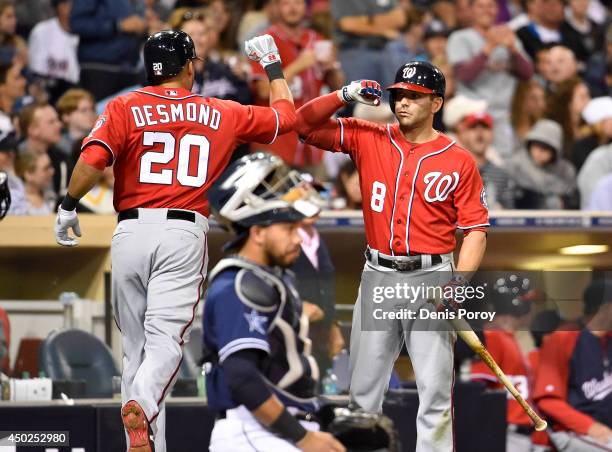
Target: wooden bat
x=467 y=334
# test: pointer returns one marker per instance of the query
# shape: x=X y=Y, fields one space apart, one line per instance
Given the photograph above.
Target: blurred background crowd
x=528 y=84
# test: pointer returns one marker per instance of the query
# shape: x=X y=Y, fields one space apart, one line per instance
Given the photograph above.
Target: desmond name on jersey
x=151 y=115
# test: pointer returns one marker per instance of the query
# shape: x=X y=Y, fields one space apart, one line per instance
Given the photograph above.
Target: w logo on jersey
x=439 y=187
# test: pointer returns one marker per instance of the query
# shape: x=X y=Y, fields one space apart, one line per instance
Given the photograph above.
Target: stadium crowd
x=528 y=84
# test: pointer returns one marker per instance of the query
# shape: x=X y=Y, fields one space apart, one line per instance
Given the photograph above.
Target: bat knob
x=541 y=425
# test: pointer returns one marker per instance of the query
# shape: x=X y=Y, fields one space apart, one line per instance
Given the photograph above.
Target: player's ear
x=257 y=234
x=436 y=104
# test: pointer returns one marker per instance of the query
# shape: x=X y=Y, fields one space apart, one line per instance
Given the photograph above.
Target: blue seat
x=74 y=354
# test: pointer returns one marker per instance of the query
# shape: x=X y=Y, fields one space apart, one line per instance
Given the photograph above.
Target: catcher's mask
x=5 y=195
x=259 y=189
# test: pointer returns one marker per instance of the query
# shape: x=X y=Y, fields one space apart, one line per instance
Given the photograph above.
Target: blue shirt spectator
x=110 y=34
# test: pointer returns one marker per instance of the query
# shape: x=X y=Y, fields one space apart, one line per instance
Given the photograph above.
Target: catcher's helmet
x=418 y=76
x=5 y=195
x=512 y=295
x=166 y=53
x=259 y=189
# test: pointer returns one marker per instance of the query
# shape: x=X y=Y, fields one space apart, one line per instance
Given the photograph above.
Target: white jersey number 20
x=378 y=196
x=164 y=177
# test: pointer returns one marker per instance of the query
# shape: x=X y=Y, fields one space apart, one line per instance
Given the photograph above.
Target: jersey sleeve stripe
x=481 y=376
x=242 y=344
x=341 y=132
x=474 y=226
x=277 y=126
x=106 y=145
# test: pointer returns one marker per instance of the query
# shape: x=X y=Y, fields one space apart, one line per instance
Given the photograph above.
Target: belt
x=406 y=263
x=173 y=214
x=300 y=416
x=526 y=430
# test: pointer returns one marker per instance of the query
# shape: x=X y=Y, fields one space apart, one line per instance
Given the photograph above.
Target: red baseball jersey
x=304 y=86
x=167 y=145
x=415 y=195
x=506 y=351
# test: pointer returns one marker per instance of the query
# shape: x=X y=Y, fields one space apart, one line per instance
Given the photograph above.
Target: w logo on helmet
x=409 y=72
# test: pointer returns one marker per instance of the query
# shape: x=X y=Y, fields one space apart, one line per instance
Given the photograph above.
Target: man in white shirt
x=52 y=48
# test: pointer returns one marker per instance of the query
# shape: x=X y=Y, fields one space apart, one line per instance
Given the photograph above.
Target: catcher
x=261 y=377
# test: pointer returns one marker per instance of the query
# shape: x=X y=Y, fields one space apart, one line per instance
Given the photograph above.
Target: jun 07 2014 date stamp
x=34 y=438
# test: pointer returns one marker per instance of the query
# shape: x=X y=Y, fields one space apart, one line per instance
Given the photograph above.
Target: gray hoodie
x=551 y=182
x=597 y=165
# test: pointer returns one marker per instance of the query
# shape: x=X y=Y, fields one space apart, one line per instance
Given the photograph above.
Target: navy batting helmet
x=418 y=76
x=5 y=195
x=259 y=189
x=512 y=295
x=166 y=53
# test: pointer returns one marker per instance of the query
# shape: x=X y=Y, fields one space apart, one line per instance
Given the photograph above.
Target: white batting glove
x=263 y=50
x=365 y=91
x=65 y=220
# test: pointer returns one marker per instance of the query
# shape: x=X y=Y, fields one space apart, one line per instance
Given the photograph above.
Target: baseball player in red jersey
x=167 y=146
x=573 y=386
x=308 y=65
x=512 y=306
x=418 y=187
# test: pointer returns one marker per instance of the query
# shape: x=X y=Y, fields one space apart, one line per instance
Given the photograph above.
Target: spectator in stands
x=410 y=44
x=544 y=27
x=309 y=64
x=599 y=69
x=363 y=29
x=544 y=178
x=597 y=165
x=212 y=78
x=76 y=111
x=8 y=154
x=100 y=198
x=475 y=133
x=42 y=129
x=460 y=107
x=36 y=171
x=583 y=35
x=110 y=36
x=598 y=116
x=12 y=46
x=562 y=66
x=316 y=286
x=52 y=49
x=487 y=60
x=348 y=193
x=255 y=20
x=565 y=105
x=12 y=88
x=528 y=106
x=601 y=198
x=573 y=379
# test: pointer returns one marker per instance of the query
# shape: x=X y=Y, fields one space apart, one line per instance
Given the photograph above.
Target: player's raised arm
x=314 y=125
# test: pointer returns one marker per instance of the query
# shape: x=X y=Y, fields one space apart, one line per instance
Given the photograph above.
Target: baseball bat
x=467 y=334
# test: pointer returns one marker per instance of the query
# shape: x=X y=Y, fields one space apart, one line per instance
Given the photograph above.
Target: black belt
x=132 y=214
x=406 y=264
x=300 y=416
x=526 y=430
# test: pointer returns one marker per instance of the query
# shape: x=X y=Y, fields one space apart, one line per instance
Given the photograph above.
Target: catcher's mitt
x=359 y=431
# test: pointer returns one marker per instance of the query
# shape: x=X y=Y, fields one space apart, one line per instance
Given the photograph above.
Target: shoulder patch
x=257 y=291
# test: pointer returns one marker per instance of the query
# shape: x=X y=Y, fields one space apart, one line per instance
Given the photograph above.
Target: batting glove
x=65 y=220
x=448 y=301
x=263 y=50
x=365 y=91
